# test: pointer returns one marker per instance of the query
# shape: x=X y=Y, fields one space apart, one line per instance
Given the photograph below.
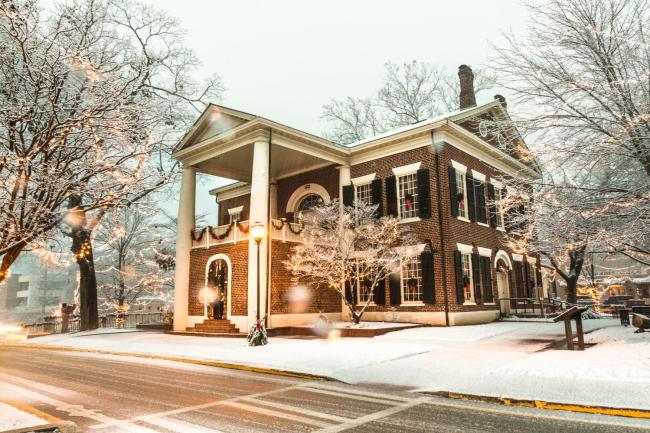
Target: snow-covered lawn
x=498 y=359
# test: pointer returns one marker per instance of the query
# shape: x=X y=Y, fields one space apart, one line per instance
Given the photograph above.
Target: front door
x=217 y=281
x=504 y=293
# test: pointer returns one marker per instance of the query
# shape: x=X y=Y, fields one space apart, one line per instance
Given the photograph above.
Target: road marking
x=32 y=410
x=328 y=387
x=73 y=410
x=373 y=416
x=276 y=414
x=302 y=410
x=177 y=425
x=349 y=396
x=194 y=408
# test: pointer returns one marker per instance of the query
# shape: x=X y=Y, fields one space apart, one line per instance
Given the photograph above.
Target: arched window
x=307 y=203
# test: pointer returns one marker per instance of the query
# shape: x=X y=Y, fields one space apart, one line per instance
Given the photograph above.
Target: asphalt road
x=104 y=393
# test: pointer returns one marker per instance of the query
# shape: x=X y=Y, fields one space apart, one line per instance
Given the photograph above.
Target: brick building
x=438 y=176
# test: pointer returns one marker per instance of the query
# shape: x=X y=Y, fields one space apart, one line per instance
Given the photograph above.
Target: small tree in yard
x=341 y=249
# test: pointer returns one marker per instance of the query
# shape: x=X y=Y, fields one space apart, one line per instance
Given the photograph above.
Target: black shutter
x=476 y=277
x=526 y=277
x=479 y=192
x=486 y=271
x=460 y=290
x=518 y=280
x=376 y=196
x=428 y=283
x=395 y=286
x=453 y=193
x=424 y=193
x=290 y=216
x=492 y=205
x=469 y=188
x=348 y=195
x=391 y=196
x=348 y=292
x=380 y=292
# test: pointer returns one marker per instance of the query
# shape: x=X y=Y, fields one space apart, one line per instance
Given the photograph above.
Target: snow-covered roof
x=416 y=125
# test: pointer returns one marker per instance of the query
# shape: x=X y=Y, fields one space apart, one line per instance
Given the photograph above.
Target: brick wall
x=238 y=254
x=322 y=300
x=224 y=205
x=453 y=230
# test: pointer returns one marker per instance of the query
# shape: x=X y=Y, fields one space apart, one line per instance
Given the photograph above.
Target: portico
x=257 y=153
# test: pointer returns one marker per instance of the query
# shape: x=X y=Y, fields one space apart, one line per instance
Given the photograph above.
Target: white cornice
x=231 y=191
x=466 y=249
x=407 y=169
x=363 y=180
x=486 y=252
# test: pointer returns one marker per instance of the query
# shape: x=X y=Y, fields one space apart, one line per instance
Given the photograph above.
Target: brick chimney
x=466 y=78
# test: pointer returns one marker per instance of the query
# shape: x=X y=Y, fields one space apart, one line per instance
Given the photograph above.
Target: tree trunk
x=83 y=250
x=8 y=259
x=571 y=290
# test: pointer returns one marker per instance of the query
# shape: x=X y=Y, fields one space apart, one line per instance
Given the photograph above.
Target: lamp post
x=258 y=231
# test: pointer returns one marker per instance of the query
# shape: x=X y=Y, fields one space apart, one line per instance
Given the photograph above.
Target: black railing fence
x=55 y=325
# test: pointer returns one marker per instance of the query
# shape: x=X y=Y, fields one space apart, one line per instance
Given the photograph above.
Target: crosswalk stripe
x=350 y=396
x=343 y=391
x=179 y=426
x=302 y=410
x=277 y=414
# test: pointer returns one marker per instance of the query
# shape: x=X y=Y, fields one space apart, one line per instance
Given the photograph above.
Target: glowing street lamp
x=258 y=232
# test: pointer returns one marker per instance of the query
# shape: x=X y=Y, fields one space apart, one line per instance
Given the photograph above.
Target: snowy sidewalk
x=16 y=417
x=503 y=359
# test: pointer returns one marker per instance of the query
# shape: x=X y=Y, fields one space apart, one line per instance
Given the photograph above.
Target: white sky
x=285 y=59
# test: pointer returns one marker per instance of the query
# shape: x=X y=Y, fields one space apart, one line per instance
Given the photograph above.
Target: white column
x=344 y=179
x=183 y=246
x=258 y=213
x=274 y=199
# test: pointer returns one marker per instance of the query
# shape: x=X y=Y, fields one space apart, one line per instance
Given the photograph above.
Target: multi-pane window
x=411 y=279
x=466 y=269
x=498 y=196
x=407 y=198
x=461 y=194
x=364 y=284
x=305 y=208
x=364 y=193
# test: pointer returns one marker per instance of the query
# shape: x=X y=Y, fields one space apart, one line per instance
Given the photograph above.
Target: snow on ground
x=505 y=359
x=12 y=418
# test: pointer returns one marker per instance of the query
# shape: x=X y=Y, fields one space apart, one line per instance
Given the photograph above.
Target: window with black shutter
x=519 y=283
x=391 y=196
x=479 y=194
x=476 y=277
x=492 y=206
x=486 y=279
x=428 y=281
x=460 y=287
x=348 y=195
x=424 y=193
x=380 y=292
x=376 y=196
x=395 y=287
x=471 y=205
x=453 y=193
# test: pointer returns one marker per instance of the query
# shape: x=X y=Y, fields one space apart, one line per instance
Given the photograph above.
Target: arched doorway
x=503 y=265
x=218 y=281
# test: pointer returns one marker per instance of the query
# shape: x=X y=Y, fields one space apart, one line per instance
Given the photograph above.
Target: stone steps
x=215 y=326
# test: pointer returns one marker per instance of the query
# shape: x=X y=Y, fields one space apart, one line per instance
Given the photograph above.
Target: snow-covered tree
x=580 y=93
x=412 y=92
x=132 y=259
x=341 y=250
x=92 y=96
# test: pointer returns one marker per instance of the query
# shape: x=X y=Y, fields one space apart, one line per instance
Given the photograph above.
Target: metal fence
x=550 y=307
x=54 y=324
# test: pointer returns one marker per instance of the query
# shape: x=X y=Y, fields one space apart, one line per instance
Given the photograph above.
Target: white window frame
x=467 y=250
x=401 y=172
x=401 y=280
x=461 y=170
x=235 y=212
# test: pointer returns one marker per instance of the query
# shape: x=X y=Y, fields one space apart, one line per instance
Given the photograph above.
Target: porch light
x=258 y=231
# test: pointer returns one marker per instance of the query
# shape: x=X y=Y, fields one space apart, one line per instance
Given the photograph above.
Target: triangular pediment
x=215 y=120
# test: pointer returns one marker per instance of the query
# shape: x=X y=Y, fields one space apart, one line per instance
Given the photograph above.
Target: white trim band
x=235 y=210
x=407 y=169
x=486 y=252
x=410 y=250
x=478 y=175
x=467 y=249
x=518 y=257
x=459 y=167
x=363 y=180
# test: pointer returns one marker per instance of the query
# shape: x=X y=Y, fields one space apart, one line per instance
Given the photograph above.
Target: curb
x=52 y=422
x=220 y=364
x=540 y=404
